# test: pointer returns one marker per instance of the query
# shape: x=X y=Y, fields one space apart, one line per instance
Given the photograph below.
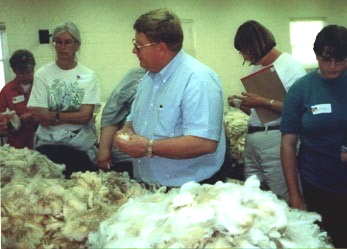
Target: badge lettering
x=321 y=108
x=18 y=99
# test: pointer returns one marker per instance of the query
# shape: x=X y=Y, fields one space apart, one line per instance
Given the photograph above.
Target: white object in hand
x=237 y=102
x=124 y=136
x=8 y=112
x=14 y=120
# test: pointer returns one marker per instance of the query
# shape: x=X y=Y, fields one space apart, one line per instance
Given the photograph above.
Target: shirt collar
x=165 y=73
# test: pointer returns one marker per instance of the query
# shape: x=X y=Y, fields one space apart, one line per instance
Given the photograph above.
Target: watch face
x=343 y=148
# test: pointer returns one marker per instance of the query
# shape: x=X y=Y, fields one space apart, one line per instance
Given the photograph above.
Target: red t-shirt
x=14 y=98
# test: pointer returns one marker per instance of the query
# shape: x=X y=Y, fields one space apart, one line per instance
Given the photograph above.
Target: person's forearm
x=43 y=116
x=274 y=105
x=289 y=165
x=106 y=136
x=104 y=154
x=251 y=100
x=183 y=147
x=46 y=117
x=73 y=118
x=84 y=115
x=344 y=157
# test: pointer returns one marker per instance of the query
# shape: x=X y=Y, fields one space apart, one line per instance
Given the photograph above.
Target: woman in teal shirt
x=315 y=112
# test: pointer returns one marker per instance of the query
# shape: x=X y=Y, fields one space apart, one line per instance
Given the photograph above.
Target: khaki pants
x=262 y=158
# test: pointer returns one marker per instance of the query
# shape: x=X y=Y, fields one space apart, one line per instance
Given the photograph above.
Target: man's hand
x=126 y=129
x=133 y=145
x=104 y=159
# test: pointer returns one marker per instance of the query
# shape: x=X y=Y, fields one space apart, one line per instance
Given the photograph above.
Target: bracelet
x=150 y=148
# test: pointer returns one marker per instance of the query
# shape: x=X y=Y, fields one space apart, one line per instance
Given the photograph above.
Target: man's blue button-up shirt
x=184 y=99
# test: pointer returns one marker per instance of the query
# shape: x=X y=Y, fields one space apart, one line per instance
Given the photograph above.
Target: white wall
x=106 y=27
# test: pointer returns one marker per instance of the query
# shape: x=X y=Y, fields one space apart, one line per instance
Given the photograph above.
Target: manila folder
x=265 y=83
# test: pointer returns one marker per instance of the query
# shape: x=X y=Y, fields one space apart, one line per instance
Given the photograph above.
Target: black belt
x=252 y=129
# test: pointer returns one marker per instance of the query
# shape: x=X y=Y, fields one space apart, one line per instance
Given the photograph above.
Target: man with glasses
x=175 y=128
x=315 y=112
x=14 y=98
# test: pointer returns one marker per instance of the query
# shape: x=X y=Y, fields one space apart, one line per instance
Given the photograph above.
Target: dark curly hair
x=22 y=60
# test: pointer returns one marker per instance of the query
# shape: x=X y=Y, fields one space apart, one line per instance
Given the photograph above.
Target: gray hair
x=69 y=27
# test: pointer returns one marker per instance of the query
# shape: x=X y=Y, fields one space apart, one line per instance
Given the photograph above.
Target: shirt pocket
x=168 y=121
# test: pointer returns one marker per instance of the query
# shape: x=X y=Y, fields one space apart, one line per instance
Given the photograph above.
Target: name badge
x=18 y=99
x=322 y=108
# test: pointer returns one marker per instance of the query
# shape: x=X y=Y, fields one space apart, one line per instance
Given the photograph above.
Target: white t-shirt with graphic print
x=64 y=91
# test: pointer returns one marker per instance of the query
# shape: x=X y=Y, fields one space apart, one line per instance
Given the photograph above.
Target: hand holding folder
x=265 y=83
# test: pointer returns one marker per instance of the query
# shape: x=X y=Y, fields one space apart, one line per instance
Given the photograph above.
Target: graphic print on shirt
x=65 y=96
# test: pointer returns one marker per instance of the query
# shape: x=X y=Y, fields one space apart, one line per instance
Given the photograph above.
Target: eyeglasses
x=139 y=47
x=332 y=61
x=63 y=42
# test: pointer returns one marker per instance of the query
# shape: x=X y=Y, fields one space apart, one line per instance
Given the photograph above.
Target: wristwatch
x=150 y=148
x=343 y=148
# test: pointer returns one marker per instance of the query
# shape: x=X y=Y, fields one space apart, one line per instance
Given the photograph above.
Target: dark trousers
x=333 y=209
x=124 y=166
x=75 y=160
x=229 y=169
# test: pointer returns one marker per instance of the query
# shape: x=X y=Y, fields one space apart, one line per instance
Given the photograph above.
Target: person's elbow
x=288 y=143
x=210 y=146
x=86 y=113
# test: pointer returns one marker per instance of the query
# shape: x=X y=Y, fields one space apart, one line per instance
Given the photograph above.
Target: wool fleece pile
x=224 y=215
x=42 y=210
